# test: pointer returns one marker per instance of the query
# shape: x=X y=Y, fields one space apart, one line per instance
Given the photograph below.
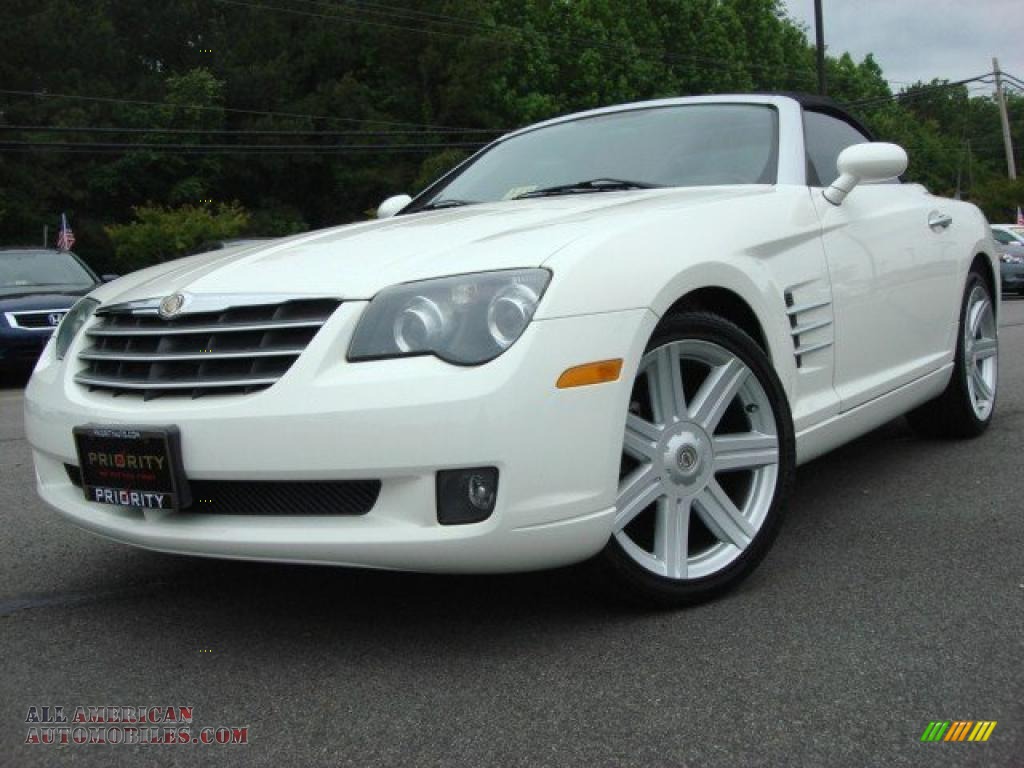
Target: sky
x=923 y=39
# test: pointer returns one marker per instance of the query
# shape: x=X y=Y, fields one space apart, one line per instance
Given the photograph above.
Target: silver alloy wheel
x=981 y=352
x=699 y=471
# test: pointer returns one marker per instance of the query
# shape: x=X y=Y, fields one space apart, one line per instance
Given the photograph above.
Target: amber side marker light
x=592 y=373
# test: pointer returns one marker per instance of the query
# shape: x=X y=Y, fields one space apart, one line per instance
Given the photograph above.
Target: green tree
x=999 y=198
x=159 y=234
x=369 y=80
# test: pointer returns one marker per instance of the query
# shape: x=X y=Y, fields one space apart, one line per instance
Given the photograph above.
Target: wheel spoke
x=745 y=451
x=665 y=381
x=671 y=535
x=717 y=392
x=722 y=517
x=636 y=492
x=978 y=313
x=641 y=438
x=981 y=387
x=980 y=346
x=984 y=348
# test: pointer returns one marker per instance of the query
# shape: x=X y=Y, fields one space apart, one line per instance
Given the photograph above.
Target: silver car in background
x=1009 y=240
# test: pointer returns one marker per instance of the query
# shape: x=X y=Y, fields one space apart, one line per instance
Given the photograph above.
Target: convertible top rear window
x=676 y=146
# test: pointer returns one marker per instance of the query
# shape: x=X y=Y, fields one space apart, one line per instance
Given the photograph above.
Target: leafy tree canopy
x=310 y=113
x=160 y=234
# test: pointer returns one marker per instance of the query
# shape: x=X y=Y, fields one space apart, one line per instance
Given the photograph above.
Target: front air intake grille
x=275 y=499
x=232 y=350
x=294 y=499
x=36 y=319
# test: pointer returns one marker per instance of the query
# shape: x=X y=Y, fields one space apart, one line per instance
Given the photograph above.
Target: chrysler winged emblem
x=171 y=305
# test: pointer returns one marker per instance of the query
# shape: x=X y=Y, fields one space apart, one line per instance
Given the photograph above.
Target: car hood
x=358 y=260
x=39 y=299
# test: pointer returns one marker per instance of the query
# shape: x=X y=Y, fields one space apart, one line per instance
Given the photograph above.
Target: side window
x=826 y=137
x=1002 y=237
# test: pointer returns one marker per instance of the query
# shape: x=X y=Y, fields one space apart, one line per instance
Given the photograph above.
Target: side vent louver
x=808 y=318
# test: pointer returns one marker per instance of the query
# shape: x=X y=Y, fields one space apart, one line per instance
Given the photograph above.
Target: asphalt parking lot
x=894 y=597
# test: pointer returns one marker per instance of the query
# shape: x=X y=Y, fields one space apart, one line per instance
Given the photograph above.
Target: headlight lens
x=466 y=319
x=72 y=324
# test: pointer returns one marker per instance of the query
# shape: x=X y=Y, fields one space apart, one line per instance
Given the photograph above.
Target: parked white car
x=612 y=335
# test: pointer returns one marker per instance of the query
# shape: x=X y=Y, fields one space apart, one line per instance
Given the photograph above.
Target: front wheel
x=707 y=458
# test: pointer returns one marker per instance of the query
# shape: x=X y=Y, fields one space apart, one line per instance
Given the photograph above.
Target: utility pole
x=819 y=35
x=1011 y=165
x=46 y=235
x=958 y=195
x=970 y=167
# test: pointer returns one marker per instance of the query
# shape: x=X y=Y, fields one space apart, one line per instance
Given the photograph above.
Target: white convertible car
x=613 y=335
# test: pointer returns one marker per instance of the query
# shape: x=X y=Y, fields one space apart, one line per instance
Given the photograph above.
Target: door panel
x=893 y=279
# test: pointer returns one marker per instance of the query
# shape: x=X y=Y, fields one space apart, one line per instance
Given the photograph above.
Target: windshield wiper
x=450 y=202
x=591 y=185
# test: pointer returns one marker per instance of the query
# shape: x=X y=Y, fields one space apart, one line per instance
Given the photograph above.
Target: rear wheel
x=965 y=408
x=707 y=458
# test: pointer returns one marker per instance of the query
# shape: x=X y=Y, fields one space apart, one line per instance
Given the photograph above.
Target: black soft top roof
x=815 y=103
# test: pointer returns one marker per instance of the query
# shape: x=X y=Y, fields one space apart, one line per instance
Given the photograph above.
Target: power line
x=500 y=30
x=251 y=148
x=406 y=14
x=234 y=110
x=1015 y=80
x=916 y=92
x=237 y=131
x=219 y=153
x=311 y=14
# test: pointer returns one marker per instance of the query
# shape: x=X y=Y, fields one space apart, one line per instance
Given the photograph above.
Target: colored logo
x=171 y=305
x=958 y=730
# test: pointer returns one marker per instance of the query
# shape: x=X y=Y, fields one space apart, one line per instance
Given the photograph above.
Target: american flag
x=65 y=238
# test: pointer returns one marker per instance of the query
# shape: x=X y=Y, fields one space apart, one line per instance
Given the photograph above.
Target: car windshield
x=678 y=146
x=25 y=271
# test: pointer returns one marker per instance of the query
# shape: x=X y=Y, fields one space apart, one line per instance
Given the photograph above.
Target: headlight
x=466 y=319
x=72 y=324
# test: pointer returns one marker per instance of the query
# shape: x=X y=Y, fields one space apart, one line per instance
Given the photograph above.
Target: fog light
x=466 y=495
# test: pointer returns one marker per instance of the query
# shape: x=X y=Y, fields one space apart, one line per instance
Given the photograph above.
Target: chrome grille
x=36 y=319
x=229 y=349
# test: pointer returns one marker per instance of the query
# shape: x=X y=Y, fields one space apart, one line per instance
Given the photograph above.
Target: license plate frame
x=132 y=466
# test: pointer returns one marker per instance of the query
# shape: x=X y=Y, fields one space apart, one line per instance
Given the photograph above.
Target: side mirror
x=876 y=161
x=108 y=278
x=392 y=205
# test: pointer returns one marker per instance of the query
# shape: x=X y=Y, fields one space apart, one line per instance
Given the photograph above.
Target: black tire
x=951 y=414
x=638 y=585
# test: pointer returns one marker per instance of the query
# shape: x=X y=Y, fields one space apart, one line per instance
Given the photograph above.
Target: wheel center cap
x=686 y=457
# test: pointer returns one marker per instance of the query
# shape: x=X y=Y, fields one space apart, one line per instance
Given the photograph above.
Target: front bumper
x=20 y=348
x=399 y=421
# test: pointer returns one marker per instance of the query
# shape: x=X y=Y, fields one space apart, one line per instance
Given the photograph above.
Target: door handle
x=937 y=220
